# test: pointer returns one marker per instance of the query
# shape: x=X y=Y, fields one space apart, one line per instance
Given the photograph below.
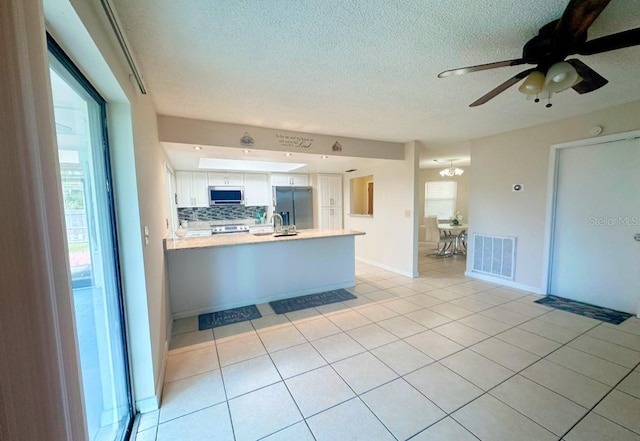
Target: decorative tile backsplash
x=223 y=212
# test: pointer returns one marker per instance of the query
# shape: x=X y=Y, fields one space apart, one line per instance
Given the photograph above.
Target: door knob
x=637 y=237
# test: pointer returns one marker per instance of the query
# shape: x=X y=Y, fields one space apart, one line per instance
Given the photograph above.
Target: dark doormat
x=310 y=300
x=228 y=317
x=585 y=309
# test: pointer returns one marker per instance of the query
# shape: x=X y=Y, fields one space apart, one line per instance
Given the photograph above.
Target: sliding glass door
x=90 y=228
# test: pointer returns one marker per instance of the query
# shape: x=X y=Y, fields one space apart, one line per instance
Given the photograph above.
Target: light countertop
x=231 y=239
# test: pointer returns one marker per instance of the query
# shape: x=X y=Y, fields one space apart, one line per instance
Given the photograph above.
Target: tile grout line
x=521 y=370
x=592 y=409
x=283 y=380
x=224 y=387
x=398 y=296
x=505 y=380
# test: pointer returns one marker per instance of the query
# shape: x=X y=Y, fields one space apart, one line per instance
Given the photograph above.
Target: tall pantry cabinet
x=329 y=201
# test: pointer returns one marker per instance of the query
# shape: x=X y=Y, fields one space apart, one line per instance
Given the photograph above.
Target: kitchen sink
x=283 y=233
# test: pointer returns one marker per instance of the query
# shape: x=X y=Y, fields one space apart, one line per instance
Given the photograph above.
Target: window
x=440 y=199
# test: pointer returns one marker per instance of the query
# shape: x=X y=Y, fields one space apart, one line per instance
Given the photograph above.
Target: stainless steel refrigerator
x=295 y=204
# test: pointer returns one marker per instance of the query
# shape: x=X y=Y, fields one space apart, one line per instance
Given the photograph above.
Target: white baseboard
x=386 y=267
x=504 y=282
x=163 y=368
x=150 y=404
x=224 y=306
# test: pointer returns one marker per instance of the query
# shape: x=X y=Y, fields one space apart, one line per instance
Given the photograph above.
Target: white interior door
x=595 y=257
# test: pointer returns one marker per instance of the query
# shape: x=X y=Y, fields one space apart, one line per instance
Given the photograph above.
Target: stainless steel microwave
x=226 y=195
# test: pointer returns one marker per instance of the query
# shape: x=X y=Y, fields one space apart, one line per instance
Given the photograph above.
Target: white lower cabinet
x=330 y=218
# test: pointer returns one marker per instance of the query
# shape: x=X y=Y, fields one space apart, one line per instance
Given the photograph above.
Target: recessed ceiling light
x=246 y=151
x=197 y=147
x=288 y=154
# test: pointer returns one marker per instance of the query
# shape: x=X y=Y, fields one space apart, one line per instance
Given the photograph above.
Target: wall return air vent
x=494 y=255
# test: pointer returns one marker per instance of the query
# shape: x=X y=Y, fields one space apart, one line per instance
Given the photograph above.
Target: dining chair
x=436 y=236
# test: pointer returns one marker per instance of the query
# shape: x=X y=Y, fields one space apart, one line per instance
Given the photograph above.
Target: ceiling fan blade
x=571 y=30
x=501 y=88
x=591 y=80
x=611 y=42
x=479 y=67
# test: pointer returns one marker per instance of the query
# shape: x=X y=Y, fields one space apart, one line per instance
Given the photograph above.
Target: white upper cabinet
x=256 y=190
x=330 y=190
x=223 y=178
x=289 y=180
x=192 y=189
x=329 y=201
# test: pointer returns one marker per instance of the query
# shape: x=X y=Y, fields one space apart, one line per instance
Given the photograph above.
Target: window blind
x=440 y=199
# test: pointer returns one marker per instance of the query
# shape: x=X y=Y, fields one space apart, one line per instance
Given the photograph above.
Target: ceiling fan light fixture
x=560 y=76
x=533 y=84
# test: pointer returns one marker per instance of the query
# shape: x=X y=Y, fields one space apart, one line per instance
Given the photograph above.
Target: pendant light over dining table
x=451 y=171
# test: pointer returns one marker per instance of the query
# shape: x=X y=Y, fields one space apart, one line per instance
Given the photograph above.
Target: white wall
x=193 y=131
x=138 y=160
x=522 y=156
x=391 y=236
x=462 y=198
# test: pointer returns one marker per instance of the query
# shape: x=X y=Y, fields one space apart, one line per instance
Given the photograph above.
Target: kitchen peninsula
x=219 y=272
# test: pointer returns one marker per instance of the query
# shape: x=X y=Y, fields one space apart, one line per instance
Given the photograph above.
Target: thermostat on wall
x=517 y=187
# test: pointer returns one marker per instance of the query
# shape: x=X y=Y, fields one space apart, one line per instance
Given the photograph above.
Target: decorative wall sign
x=246 y=140
x=294 y=141
x=336 y=147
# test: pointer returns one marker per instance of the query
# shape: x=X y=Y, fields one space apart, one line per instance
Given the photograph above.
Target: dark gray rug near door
x=228 y=317
x=584 y=309
x=310 y=300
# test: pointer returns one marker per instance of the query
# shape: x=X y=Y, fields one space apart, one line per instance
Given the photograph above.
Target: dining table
x=458 y=232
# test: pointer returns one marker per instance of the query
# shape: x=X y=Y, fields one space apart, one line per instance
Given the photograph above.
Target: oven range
x=230 y=228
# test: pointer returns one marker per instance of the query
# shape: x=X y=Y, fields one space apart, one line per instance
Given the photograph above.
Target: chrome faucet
x=275 y=216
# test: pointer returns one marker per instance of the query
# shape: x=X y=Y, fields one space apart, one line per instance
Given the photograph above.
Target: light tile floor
x=440 y=357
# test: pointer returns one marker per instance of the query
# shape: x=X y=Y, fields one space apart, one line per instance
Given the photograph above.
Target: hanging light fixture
x=560 y=76
x=533 y=84
x=451 y=171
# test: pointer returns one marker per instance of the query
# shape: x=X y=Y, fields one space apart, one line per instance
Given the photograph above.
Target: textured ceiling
x=361 y=68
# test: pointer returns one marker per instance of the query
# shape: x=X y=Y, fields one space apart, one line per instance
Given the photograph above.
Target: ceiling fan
x=556 y=41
